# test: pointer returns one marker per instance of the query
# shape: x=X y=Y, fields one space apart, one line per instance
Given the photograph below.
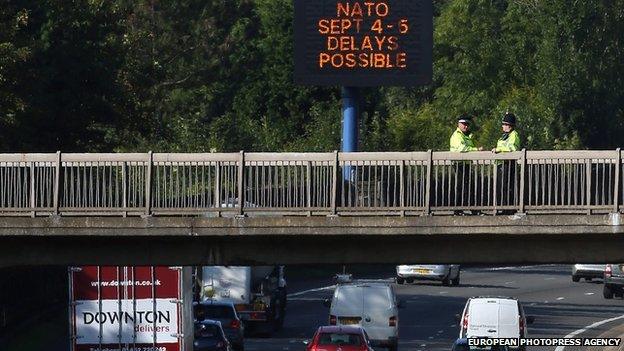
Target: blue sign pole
x=350 y=117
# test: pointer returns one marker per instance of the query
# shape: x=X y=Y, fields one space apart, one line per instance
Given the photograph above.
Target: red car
x=339 y=338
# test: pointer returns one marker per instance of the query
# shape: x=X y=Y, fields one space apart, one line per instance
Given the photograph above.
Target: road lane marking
x=306 y=299
x=311 y=290
x=560 y=298
x=591 y=326
x=330 y=287
x=507 y=283
x=589 y=293
x=510 y=267
x=550 y=278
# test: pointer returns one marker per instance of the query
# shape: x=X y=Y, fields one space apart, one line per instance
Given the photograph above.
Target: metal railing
x=383 y=183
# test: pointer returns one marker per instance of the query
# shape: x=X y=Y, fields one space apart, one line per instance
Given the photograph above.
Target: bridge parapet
x=310 y=184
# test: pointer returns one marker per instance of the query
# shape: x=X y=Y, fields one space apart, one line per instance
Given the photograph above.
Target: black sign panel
x=363 y=43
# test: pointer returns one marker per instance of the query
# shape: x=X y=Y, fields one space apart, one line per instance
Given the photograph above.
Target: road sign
x=363 y=43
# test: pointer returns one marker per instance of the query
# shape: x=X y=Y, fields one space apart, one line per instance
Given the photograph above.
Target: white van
x=373 y=306
x=494 y=317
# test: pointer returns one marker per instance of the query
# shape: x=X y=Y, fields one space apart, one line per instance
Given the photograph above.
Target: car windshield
x=207 y=331
x=339 y=339
x=213 y=311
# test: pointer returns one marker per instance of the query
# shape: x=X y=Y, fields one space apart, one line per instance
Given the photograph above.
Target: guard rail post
x=402 y=187
x=33 y=198
x=309 y=187
x=428 y=182
x=148 y=184
x=588 y=185
x=334 y=189
x=616 y=189
x=523 y=162
x=57 y=178
x=217 y=188
x=241 y=183
x=124 y=187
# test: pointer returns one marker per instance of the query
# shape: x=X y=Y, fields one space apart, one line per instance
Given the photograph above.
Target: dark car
x=613 y=281
x=209 y=336
x=339 y=338
x=225 y=313
x=461 y=344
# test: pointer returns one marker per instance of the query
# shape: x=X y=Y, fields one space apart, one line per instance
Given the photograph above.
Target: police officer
x=507 y=180
x=510 y=140
x=461 y=139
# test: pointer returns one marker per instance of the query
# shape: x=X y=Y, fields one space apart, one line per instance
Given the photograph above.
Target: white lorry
x=257 y=292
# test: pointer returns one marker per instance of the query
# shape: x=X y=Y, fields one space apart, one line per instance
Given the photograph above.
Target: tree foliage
x=190 y=75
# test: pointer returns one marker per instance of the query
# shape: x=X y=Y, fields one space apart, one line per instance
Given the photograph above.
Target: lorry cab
x=258 y=293
x=372 y=306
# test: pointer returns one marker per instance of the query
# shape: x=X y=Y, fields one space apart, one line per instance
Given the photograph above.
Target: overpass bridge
x=258 y=208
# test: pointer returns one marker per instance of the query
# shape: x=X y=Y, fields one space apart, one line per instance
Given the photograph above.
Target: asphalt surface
x=427 y=322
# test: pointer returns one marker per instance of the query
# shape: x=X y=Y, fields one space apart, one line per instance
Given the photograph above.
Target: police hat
x=464 y=118
x=509 y=118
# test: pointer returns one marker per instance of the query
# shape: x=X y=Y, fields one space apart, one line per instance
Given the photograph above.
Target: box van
x=372 y=306
x=493 y=317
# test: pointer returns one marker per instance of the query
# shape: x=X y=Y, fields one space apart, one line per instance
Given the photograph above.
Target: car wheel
x=575 y=279
x=588 y=279
x=446 y=281
x=607 y=292
x=400 y=280
x=456 y=281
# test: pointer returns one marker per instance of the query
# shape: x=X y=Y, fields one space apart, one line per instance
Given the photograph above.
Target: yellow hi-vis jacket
x=508 y=142
x=461 y=142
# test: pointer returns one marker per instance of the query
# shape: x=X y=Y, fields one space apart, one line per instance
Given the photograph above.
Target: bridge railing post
x=124 y=188
x=148 y=183
x=241 y=183
x=428 y=182
x=334 y=186
x=33 y=195
x=217 y=188
x=57 y=178
x=309 y=187
x=616 y=188
x=402 y=187
x=588 y=184
x=523 y=162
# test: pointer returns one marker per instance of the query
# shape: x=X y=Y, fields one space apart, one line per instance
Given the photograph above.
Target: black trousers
x=507 y=184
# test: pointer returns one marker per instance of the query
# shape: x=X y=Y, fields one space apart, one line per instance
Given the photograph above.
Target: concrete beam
x=311 y=240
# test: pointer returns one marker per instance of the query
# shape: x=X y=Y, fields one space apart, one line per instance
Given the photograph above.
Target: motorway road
x=427 y=322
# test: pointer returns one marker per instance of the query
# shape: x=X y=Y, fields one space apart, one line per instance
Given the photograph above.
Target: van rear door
x=483 y=318
x=508 y=319
x=378 y=308
x=347 y=305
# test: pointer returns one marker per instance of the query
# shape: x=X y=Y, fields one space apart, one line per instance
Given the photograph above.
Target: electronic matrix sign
x=363 y=43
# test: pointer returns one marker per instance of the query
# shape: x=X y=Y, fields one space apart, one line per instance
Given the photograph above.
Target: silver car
x=446 y=273
x=587 y=271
